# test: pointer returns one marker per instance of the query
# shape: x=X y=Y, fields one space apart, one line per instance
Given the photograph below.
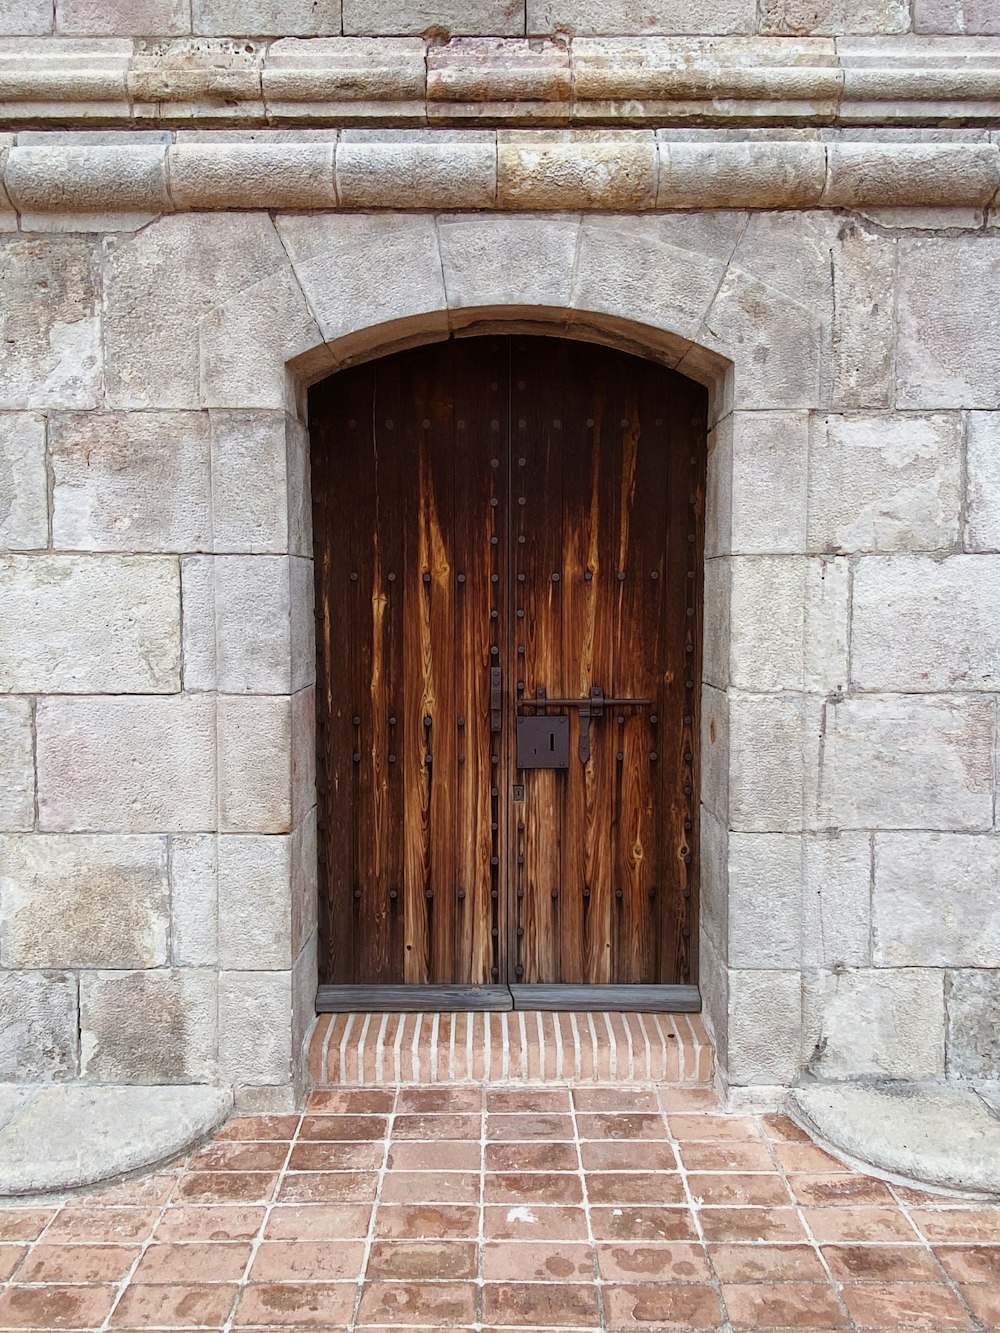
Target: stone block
x=769 y=482
x=491 y=79
x=435 y=170
x=765 y=1027
x=38 y=1036
x=920 y=175
x=715 y=744
x=266 y=18
x=84 y=900
x=718 y=616
x=88 y=178
x=773 y=754
x=126 y=481
x=255 y=764
x=249 y=482
x=982 y=505
x=922 y=624
x=937 y=900
x=78 y=624
x=871 y=1022
x=24 y=521
x=26 y=18
x=956 y=16
x=765 y=891
x=17 y=765
x=52 y=355
x=109 y=18
x=948 y=330
x=864 y=330
x=303 y=752
x=836 y=900
x=538 y=169
x=240 y=174
x=719 y=489
x=255 y=1026
x=520 y=262
x=720 y=173
x=640 y=17
x=713 y=906
x=347 y=79
x=972 y=1000
x=880 y=483
x=303 y=622
x=126 y=765
x=299 y=483
x=237 y=624
x=833 y=17
x=905 y=761
x=305 y=894
x=175 y=81
x=194 y=901
x=305 y=975
x=388 y=18
x=148 y=1027
x=180 y=268
x=255 y=897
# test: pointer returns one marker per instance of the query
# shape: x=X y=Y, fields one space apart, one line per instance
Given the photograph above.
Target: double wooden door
x=508 y=575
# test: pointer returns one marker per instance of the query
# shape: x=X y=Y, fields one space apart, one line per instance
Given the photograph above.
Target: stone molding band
x=629 y=172
x=413 y=81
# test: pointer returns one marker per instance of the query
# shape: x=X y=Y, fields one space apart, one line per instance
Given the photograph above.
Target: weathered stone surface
x=237 y=624
x=38 y=1035
x=305 y=890
x=255 y=1018
x=982 y=506
x=973 y=1006
x=250 y=476
x=78 y=624
x=303 y=752
x=347 y=78
x=770 y=459
x=299 y=484
x=632 y=16
x=490 y=79
x=922 y=623
x=140 y=18
x=28 y=18
x=148 y=1027
x=255 y=902
x=238 y=174
x=126 y=481
x=765 y=889
x=508 y=261
x=17 y=765
x=955 y=16
x=266 y=18
x=178 y=80
x=836 y=900
x=384 y=18
x=564 y=169
x=715 y=752
x=936 y=900
x=88 y=178
x=884 y=483
x=765 y=1026
x=194 y=901
x=833 y=17
x=129 y=765
x=922 y=175
x=864 y=287
x=948 y=339
x=904 y=761
x=871 y=1021
x=437 y=170
x=713 y=906
x=739 y=175
x=717 y=618
x=52 y=354
x=773 y=741
x=255 y=764
x=719 y=489
x=181 y=267
x=84 y=900
x=23 y=505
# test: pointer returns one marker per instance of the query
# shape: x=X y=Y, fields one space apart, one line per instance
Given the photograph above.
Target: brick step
x=364 y=1050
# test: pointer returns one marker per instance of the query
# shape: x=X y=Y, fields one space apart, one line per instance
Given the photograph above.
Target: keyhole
x=552 y=742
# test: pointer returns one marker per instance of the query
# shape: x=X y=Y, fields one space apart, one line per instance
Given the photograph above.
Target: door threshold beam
x=635 y=999
x=459 y=999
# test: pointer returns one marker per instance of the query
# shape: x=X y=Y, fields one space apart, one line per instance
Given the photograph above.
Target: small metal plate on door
x=543 y=742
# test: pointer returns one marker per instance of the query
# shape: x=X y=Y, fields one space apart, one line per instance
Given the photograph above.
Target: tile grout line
x=948 y=1281
x=588 y=1217
x=696 y=1219
x=481 y=1243
x=362 y=1278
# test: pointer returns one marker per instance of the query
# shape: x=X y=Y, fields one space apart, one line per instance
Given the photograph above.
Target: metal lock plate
x=543 y=742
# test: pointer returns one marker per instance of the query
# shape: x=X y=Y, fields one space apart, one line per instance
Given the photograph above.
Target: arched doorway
x=508 y=536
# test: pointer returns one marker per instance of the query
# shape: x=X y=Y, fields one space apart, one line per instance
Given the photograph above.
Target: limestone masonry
x=208 y=205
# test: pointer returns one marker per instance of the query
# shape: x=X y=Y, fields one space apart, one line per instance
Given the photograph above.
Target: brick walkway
x=526 y=1208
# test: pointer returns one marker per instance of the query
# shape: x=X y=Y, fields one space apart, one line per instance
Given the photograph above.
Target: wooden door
x=507 y=530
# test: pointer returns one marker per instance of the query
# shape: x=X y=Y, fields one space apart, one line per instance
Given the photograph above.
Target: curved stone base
x=56 y=1138
x=946 y=1136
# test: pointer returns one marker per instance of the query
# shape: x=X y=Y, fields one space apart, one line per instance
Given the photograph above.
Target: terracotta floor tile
x=541 y=1304
x=910 y=1194
x=984 y=1301
x=971 y=1263
x=833 y=1190
x=780 y=1128
x=759 y=1190
x=531 y=1101
x=642 y=1224
x=467 y=1127
x=806 y=1158
x=308 y=1261
x=411 y=1221
x=24 y=1223
x=318 y=1221
x=435 y=1304
x=976 y=1222
x=353 y=1101
x=149 y=1190
x=767 y=1263
x=409 y=1259
x=328 y=1187
x=193 y=1262
x=337 y=1156
x=677 y=1262
x=662 y=1306
x=783 y=1305
x=292 y=1304
x=858 y=1223
x=51 y=1262
x=431 y=1187
x=621 y=1125
x=705 y=1128
x=437 y=1155
x=178 y=1306
x=84 y=1221
x=723 y=1156
x=629 y=1100
x=519 y=1221
x=532 y=1156
x=623 y=1187
x=882 y=1263
x=241 y=1156
x=687 y=1099
x=542 y=1261
x=227 y=1186
x=343 y=1128
x=537 y=1187
x=55 y=1306
x=437 y=1101
x=751 y=1224
x=551 y=1128
x=193 y=1222
x=638 y=1156
x=10 y=1257
x=258 y=1127
x=905 y=1305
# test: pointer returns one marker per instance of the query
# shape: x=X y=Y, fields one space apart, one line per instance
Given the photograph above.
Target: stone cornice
x=150 y=173
x=410 y=81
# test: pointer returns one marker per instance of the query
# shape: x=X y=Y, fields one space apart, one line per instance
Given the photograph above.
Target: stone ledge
x=519 y=170
x=477 y=80
x=61 y=1137
x=945 y=1135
